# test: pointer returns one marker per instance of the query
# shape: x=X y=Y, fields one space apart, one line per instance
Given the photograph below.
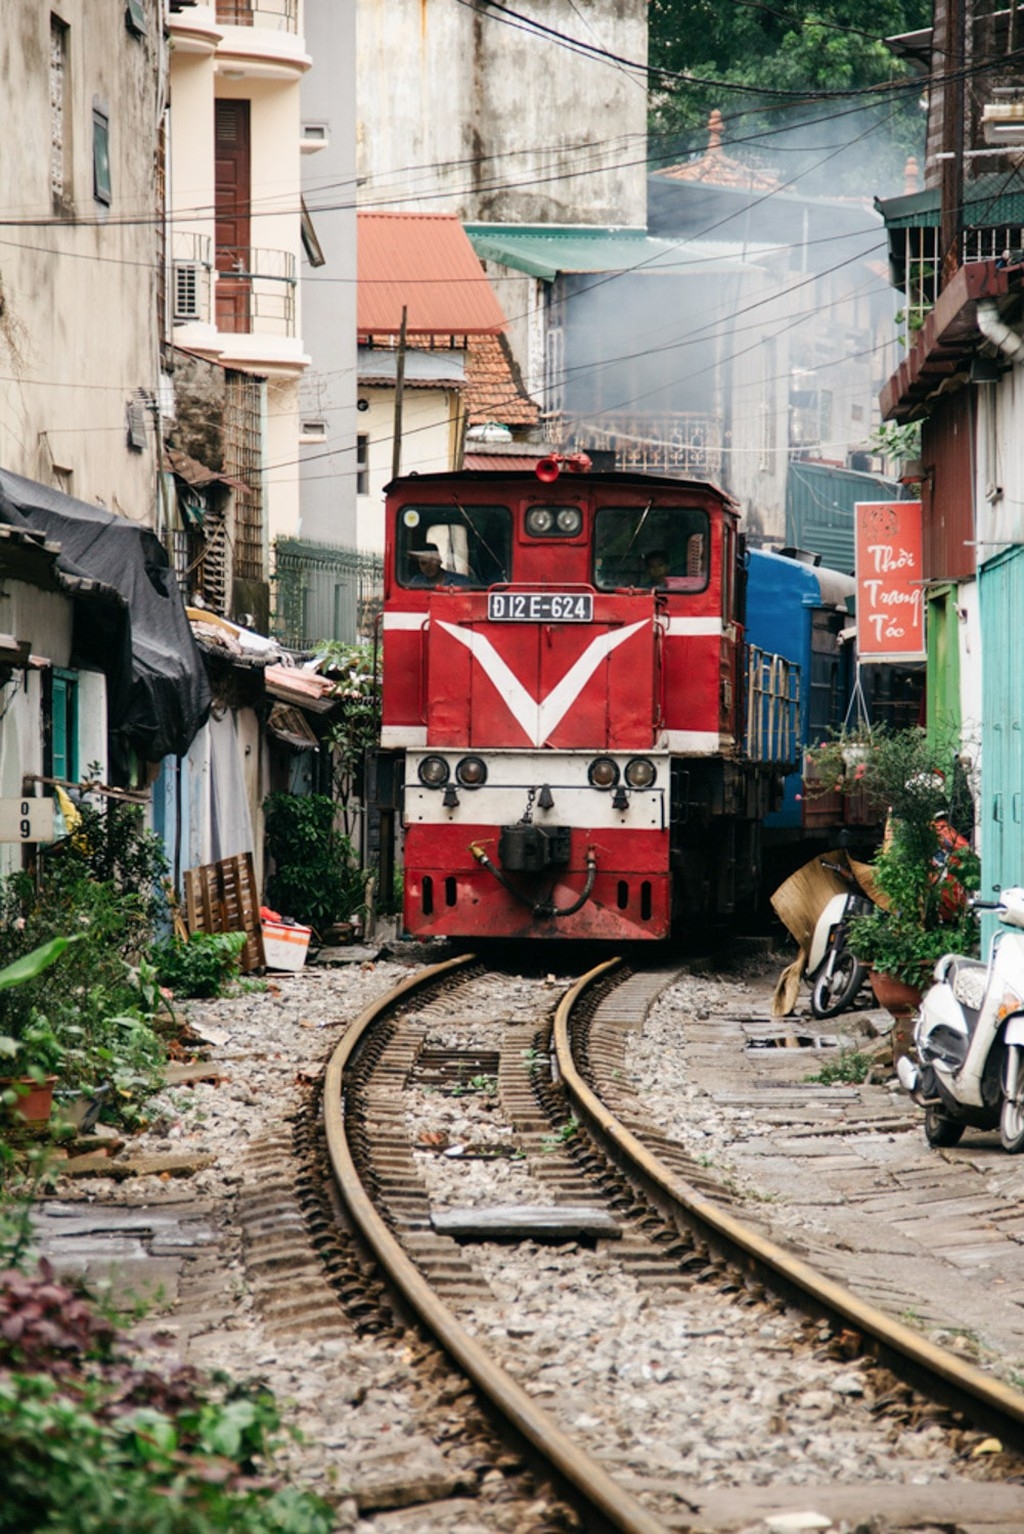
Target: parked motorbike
x=969 y=1038
x=836 y=975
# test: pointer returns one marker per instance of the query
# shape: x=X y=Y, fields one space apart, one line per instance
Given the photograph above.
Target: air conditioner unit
x=187 y=277
x=1003 y=122
x=135 y=414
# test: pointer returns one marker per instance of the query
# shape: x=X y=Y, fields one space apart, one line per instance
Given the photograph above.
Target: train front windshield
x=667 y=547
x=472 y=545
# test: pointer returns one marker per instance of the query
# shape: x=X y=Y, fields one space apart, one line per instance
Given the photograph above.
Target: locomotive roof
x=529 y=476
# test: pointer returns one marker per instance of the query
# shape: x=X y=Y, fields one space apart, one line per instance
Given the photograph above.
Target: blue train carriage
x=800 y=610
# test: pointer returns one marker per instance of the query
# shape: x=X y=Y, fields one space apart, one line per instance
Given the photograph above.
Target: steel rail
x=999 y=1406
x=608 y=1506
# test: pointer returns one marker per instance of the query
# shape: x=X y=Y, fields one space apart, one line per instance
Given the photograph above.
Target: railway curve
x=643 y=1170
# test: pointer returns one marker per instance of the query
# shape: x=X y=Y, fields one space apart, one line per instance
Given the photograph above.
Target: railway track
x=619 y=1196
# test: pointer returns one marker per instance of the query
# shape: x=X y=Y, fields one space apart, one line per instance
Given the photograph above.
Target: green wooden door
x=943 y=698
x=1002 y=735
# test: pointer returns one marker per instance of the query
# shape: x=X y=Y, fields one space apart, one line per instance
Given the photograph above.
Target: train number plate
x=540 y=606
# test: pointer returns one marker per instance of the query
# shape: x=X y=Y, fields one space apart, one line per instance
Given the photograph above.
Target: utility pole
x=396 y=444
x=954 y=89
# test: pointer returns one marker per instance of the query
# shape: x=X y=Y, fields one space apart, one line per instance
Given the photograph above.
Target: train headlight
x=471 y=772
x=641 y=773
x=569 y=520
x=603 y=772
x=433 y=772
x=539 y=520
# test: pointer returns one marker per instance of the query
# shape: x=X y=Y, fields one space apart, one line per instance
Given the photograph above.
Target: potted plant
x=921 y=875
x=34 y=1050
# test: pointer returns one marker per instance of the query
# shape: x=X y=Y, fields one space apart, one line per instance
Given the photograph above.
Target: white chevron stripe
x=539 y=718
x=695 y=628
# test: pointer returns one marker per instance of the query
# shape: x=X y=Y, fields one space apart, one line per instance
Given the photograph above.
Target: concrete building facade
x=80 y=249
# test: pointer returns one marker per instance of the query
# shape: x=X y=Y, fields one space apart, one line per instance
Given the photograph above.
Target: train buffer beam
x=527 y=1222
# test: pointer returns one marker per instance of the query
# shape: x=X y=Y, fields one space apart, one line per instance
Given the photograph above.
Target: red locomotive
x=588 y=745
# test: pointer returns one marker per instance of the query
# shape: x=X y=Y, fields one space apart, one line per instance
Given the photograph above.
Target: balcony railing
x=256 y=291
x=281 y=15
x=191 y=268
x=923 y=262
x=678 y=442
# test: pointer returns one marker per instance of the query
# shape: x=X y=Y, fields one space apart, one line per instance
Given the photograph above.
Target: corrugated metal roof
x=990 y=201
x=442 y=369
x=820 y=498
x=424 y=261
x=548 y=250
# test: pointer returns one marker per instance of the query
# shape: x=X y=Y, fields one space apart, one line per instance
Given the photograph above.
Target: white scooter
x=835 y=974
x=969 y=1038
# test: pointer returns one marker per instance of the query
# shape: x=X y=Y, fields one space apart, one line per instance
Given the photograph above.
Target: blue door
x=1002 y=736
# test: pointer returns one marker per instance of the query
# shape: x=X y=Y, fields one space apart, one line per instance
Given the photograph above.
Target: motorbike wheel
x=832 y=993
x=940 y=1130
x=1011 y=1121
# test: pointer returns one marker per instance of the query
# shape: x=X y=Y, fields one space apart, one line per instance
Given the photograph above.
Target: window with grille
x=186 y=290
x=64 y=725
x=101 y=183
x=362 y=464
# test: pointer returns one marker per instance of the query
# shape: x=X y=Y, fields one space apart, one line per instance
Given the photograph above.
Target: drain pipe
x=993 y=329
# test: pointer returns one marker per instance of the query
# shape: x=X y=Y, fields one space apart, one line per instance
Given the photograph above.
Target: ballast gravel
x=676 y=1385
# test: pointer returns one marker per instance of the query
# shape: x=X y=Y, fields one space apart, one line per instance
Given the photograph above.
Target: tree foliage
x=834 y=45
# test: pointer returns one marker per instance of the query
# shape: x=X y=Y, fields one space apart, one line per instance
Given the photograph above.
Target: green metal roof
x=820 y=498
x=551 y=250
x=990 y=201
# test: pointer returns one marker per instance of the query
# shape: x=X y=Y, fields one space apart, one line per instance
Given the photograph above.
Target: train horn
x=548 y=469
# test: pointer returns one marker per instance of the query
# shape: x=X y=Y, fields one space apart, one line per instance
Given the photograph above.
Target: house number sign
x=26 y=820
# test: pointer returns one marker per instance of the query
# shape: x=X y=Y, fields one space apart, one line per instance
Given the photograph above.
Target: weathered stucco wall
x=429 y=428
x=78 y=278
x=328 y=390
x=463 y=113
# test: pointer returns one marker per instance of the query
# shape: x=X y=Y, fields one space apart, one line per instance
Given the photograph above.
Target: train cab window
x=667 y=548
x=456 y=546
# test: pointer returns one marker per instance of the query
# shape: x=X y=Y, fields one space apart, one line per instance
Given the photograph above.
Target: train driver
x=430 y=571
x=656 y=567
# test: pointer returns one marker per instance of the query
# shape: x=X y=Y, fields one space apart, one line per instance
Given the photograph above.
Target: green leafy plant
x=201 y=966
x=849 y=1069
x=486 y=1085
x=92 y=898
x=38 y=1051
x=562 y=1136
x=898 y=441
x=316 y=877
x=534 y=1059
x=354 y=670
x=90 y=1442
x=920 y=878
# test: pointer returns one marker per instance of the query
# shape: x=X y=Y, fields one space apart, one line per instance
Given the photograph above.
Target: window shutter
x=186 y=290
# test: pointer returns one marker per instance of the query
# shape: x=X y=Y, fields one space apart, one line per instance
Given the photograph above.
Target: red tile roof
x=494 y=389
x=504 y=463
x=718 y=169
x=424 y=261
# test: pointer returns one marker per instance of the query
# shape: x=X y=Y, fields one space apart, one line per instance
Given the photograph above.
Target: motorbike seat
x=968 y=982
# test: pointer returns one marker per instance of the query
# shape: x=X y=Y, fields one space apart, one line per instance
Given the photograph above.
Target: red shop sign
x=890 y=591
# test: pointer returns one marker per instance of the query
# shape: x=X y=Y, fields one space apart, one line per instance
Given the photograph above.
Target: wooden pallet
x=222 y=897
